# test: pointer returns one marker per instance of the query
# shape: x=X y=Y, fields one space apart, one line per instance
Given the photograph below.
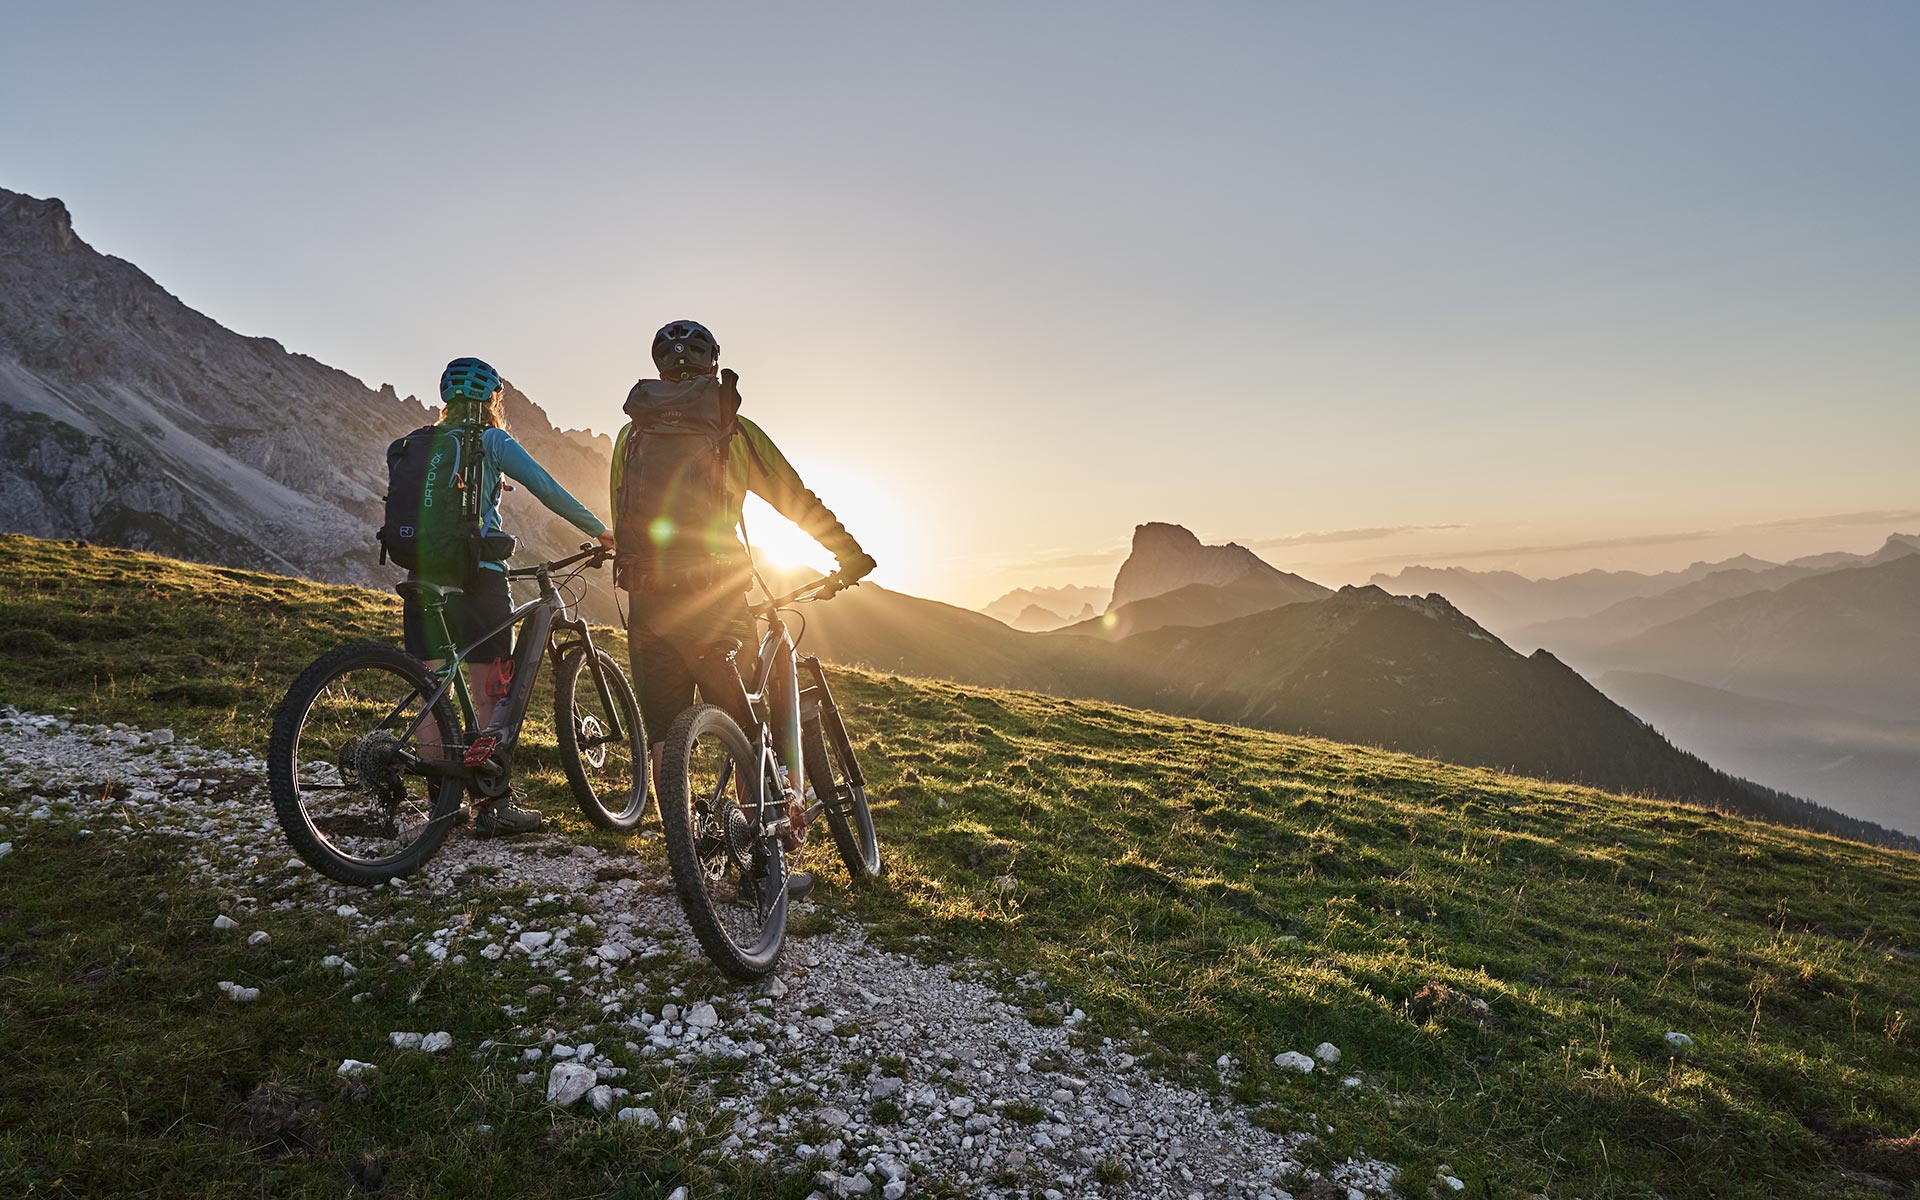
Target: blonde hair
x=495 y=413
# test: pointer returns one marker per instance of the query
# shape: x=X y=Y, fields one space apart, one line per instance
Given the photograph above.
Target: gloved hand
x=855 y=569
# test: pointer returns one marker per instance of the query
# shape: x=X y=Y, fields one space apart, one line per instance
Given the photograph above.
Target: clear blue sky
x=1005 y=280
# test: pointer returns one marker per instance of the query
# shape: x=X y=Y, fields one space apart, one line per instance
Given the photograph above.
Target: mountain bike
x=372 y=749
x=724 y=794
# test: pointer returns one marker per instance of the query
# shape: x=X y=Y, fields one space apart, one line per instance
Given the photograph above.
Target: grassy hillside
x=1497 y=958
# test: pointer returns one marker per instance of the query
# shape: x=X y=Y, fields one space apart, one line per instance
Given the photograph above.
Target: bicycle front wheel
x=338 y=764
x=732 y=879
x=608 y=773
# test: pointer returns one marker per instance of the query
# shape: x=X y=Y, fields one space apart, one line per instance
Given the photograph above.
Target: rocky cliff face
x=1165 y=557
x=128 y=418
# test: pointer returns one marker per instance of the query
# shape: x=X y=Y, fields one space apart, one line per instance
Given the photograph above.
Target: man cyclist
x=690 y=461
x=472 y=391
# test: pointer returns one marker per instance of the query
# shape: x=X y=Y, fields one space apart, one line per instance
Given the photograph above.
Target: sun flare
x=882 y=525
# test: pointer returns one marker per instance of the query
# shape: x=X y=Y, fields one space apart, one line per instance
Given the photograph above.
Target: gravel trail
x=988 y=1102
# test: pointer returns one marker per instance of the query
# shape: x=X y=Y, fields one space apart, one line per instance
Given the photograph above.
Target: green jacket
x=755 y=464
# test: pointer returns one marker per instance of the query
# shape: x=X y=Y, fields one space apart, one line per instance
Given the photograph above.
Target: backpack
x=674 y=510
x=432 y=517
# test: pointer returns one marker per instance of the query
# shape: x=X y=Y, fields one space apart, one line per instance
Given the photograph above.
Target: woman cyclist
x=471 y=391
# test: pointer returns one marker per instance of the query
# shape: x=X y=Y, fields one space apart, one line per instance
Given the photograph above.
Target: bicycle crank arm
x=440 y=768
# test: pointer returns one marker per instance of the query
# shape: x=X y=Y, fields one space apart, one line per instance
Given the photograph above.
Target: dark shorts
x=670 y=640
x=485 y=602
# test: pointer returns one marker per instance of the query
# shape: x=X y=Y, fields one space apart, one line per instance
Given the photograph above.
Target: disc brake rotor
x=592 y=735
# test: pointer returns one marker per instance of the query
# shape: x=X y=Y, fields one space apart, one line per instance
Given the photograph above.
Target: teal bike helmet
x=468 y=379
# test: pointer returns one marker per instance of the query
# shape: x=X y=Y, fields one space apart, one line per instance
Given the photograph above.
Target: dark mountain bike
x=372 y=749
x=724 y=795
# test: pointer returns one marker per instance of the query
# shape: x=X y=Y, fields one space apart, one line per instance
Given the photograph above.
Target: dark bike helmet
x=468 y=379
x=684 y=350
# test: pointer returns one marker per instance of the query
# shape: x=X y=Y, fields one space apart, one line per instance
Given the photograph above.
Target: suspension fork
x=823 y=697
x=616 y=731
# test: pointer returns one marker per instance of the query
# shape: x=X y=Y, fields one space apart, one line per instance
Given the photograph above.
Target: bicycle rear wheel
x=830 y=771
x=608 y=774
x=732 y=880
x=337 y=764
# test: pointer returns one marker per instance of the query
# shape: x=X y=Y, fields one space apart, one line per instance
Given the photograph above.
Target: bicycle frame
x=774 y=700
x=537 y=620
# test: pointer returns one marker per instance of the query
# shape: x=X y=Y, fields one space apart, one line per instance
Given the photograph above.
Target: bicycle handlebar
x=588 y=550
x=818 y=589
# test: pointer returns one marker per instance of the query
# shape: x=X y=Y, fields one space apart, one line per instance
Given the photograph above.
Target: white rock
x=242 y=995
x=353 y=1067
x=679 y=1193
x=703 y=1016
x=960 y=1106
x=894 y=1190
x=1679 y=1041
x=1458 y=1185
x=6 y=848
x=347 y=910
x=405 y=1041
x=1293 y=1060
x=160 y=737
x=1327 y=1053
x=259 y=937
x=886 y=1085
x=613 y=952
x=601 y=1097
x=774 y=987
x=646 y=1118
x=434 y=1043
x=567 y=1082
x=833 y=1117
x=223 y=921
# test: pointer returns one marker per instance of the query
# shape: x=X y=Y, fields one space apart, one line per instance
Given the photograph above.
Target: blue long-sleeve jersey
x=502 y=455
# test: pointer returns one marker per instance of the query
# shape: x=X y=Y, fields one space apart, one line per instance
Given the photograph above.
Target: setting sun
x=880 y=521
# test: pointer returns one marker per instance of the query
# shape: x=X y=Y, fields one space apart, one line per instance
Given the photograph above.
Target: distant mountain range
x=1572 y=636
x=1508 y=602
x=1803 y=676
x=1039 y=609
x=1848 y=639
x=128 y=418
x=1359 y=665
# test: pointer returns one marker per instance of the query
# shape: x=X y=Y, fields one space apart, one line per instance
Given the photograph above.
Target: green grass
x=1497 y=958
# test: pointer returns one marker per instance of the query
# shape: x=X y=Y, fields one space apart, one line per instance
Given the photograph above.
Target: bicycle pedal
x=481 y=750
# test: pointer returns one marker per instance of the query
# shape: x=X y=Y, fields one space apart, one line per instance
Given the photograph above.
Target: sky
x=1539 y=287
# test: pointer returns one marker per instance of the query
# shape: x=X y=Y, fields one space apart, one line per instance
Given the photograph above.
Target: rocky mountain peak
x=133 y=420
x=41 y=224
x=1167 y=556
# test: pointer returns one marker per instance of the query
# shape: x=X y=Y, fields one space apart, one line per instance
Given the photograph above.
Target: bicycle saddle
x=430 y=593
